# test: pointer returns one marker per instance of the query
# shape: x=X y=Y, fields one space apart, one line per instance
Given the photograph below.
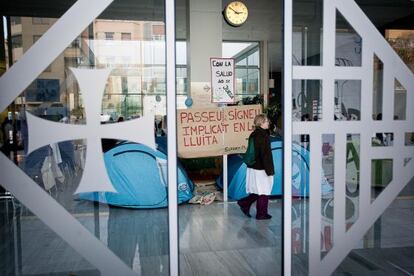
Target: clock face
x=236 y=13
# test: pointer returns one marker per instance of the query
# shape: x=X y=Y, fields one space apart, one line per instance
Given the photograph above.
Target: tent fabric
x=300 y=173
x=139 y=175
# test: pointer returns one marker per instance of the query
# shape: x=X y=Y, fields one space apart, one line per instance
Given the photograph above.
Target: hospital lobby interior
x=71 y=205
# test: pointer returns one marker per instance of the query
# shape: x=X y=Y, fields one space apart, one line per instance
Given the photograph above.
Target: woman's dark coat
x=263 y=151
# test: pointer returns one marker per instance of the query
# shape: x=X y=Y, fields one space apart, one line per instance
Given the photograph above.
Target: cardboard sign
x=201 y=95
x=222 y=80
x=214 y=131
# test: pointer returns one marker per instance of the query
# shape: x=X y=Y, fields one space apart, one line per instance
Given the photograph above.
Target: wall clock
x=236 y=13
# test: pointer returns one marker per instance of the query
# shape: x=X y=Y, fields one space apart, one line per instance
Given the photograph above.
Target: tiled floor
x=214 y=240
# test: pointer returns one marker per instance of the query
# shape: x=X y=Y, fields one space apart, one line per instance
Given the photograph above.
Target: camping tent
x=300 y=173
x=139 y=174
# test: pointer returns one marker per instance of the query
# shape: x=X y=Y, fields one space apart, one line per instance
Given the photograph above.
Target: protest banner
x=214 y=131
x=222 y=80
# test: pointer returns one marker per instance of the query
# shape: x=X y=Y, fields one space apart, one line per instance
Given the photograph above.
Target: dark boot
x=246 y=202
x=262 y=206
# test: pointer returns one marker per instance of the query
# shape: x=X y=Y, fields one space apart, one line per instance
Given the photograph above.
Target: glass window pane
x=378 y=89
x=347 y=100
x=307 y=32
x=409 y=138
x=109 y=35
x=348 y=43
x=125 y=36
x=385 y=248
x=382 y=139
x=307 y=100
x=29 y=246
x=402 y=39
x=132 y=44
x=400 y=101
x=181 y=56
x=253 y=59
x=300 y=203
x=247 y=60
x=352 y=183
x=381 y=176
x=205 y=246
x=327 y=195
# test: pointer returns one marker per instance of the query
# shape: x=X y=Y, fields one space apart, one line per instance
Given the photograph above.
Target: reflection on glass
x=300 y=204
x=142 y=246
x=134 y=50
x=56 y=168
x=327 y=196
x=28 y=246
x=348 y=44
x=385 y=139
x=352 y=179
x=400 y=101
x=409 y=138
x=347 y=100
x=402 y=41
x=377 y=89
x=307 y=32
x=386 y=247
x=381 y=176
x=115 y=106
x=307 y=100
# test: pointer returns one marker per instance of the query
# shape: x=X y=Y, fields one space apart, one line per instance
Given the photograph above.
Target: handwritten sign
x=214 y=131
x=201 y=95
x=222 y=80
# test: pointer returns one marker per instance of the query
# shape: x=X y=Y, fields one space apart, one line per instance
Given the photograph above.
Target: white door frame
x=287 y=137
x=172 y=137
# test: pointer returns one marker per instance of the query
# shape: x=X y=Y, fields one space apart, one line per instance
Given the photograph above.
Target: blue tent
x=139 y=174
x=300 y=173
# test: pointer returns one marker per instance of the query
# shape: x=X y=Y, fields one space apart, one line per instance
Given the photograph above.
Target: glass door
x=215 y=236
x=85 y=83
x=347 y=151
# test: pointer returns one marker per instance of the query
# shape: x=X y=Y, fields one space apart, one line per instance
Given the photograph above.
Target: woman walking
x=259 y=176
